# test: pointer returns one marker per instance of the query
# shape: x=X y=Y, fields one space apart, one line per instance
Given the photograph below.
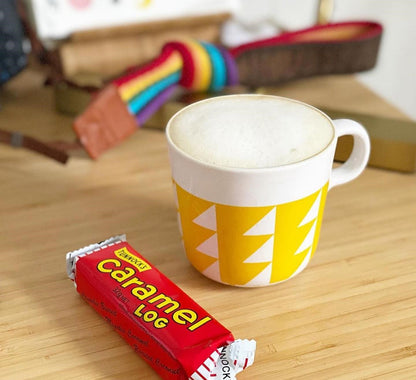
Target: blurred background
x=394 y=77
x=84 y=38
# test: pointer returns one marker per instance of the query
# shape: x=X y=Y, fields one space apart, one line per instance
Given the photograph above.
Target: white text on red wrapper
x=127 y=278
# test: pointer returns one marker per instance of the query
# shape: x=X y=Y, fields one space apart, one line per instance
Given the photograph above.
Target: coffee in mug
x=251 y=132
x=251 y=175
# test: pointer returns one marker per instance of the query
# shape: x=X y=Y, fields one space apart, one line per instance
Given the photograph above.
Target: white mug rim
x=233 y=169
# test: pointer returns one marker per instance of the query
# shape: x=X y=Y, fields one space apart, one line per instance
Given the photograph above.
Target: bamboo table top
x=350 y=315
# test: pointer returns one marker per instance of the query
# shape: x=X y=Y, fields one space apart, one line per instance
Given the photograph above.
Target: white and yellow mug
x=255 y=226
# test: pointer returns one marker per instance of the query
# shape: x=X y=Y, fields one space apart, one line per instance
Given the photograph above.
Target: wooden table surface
x=350 y=315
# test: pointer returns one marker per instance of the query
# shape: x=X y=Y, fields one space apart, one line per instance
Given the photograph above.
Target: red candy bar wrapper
x=170 y=331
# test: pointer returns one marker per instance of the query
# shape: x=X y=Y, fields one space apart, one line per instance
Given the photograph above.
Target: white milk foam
x=250 y=131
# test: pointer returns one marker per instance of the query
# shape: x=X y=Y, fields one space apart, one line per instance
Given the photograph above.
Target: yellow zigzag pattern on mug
x=193 y=233
x=250 y=245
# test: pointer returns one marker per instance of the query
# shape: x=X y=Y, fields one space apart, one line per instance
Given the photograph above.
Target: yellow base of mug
x=250 y=246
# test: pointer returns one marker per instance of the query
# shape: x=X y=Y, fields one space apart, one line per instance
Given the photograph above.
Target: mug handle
x=358 y=159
